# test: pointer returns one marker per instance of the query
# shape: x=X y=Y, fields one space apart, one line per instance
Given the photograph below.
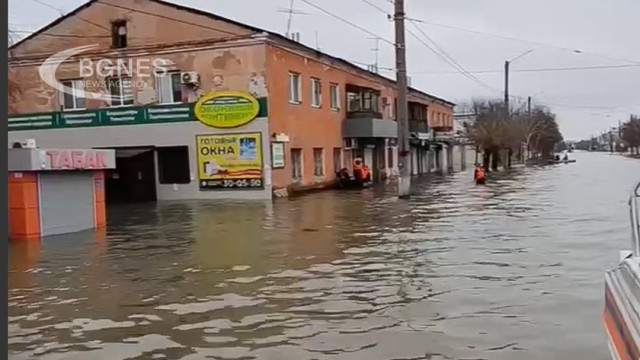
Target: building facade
x=316 y=113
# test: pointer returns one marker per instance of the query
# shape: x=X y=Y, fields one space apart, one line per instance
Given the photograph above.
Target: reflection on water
x=510 y=270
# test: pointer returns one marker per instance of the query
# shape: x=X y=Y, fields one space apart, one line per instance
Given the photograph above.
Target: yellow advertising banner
x=230 y=161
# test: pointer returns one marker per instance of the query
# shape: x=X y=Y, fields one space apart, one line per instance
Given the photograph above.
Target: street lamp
x=506 y=75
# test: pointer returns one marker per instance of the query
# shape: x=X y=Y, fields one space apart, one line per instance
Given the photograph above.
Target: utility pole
x=404 y=183
x=506 y=85
x=529 y=121
x=377 y=52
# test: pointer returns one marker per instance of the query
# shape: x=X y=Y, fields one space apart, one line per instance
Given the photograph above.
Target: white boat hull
x=622 y=307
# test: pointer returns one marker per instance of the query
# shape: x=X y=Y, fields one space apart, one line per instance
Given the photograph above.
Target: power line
x=440 y=52
x=437 y=50
x=347 y=21
x=62 y=14
x=166 y=17
x=448 y=59
x=534 y=70
x=375 y=6
x=60 y=35
x=511 y=38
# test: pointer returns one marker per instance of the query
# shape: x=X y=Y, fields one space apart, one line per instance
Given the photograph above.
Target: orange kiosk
x=56 y=191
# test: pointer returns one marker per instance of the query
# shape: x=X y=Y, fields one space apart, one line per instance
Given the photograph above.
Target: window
x=295 y=95
x=375 y=102
x=353 y=102
x=366 y=104
x=119 y=34
x=296 y=160
x=169 y=88
x=121 y=91
x=363 y=100
x=417 y=112
x=173 y=165
x=316 y=92
x=334 y=96
x=71 y=95
x=318 y=162
x=337 y=159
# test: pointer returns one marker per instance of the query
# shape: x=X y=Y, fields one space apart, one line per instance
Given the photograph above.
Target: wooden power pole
x=404 y=182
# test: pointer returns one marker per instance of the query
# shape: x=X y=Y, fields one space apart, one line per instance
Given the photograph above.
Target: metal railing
x=635 y=221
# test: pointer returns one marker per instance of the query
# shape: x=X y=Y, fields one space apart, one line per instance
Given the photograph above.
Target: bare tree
x=631 y=134
x=497 y=130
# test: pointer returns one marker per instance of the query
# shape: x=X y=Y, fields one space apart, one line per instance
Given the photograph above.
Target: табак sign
x=71 y=159
x=227 y=109
x=230 y=161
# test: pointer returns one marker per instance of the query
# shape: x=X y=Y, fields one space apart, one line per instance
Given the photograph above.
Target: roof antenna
x=376 y=49
x=291 y=11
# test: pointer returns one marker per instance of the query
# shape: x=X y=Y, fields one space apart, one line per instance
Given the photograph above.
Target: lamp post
x=506 y=72
x=506 y=76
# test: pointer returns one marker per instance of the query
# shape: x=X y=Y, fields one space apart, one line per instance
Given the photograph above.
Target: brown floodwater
x=511 y=270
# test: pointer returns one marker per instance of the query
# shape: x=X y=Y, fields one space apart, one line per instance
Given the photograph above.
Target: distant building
x=316 y=112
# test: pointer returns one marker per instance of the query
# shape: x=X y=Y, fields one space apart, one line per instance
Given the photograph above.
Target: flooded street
x=511 y=270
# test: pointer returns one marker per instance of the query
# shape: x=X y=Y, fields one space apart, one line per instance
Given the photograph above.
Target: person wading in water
x=478 y=175
x=361 y=172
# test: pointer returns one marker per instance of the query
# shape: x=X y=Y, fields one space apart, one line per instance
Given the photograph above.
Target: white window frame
x=322 y=169
x=340 y=158
x=316 y=93
x=334 y=96
x=74 y=85
x=294 y=176
x=295 y=95
x=160 y=83
x=121 y=95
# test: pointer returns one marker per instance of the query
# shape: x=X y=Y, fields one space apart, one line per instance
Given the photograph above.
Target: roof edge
x=277 y=36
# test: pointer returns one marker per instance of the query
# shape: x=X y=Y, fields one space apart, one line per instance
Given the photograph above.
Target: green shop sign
x=130 y=115
x=102 y=117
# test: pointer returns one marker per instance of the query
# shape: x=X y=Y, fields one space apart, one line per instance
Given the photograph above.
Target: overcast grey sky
x=587 y=101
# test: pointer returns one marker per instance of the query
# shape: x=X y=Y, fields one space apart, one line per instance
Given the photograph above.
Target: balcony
x=418 y=126
x=369 y=127
x=363 y=102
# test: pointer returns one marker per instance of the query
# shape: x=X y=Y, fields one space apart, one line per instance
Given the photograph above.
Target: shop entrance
x=134 y=178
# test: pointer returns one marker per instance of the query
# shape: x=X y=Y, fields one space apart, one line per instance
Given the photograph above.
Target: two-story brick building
x=316 y=112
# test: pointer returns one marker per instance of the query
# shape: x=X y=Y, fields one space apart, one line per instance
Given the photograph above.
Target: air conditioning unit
x=350 y=143
x=190 y=78
x=24 y=144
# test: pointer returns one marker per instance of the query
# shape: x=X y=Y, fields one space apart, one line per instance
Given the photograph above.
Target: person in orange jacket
x=360 y=171
x=478 y=174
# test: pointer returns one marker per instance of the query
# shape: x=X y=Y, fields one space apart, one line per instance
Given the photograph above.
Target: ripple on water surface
x=509 y=270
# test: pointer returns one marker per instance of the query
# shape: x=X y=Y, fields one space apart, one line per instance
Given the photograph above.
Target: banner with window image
x=230 y=161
